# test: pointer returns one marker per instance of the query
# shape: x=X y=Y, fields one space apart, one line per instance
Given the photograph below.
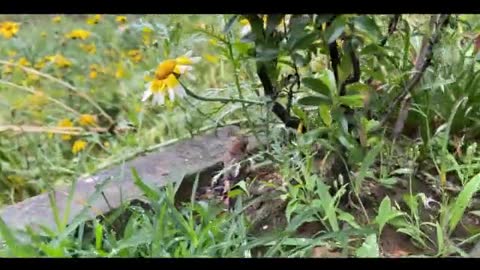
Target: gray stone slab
x=169 y=164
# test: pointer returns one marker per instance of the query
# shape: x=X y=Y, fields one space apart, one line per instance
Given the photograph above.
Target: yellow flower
x=147 y=35
x=93 y=71
x=78 y=34
x=40 y=64
x=24 y=62
x=87 y=120
x=94 y=19
x=57 y=19
x=43 y=34
x=9 y=29
x=119 y=73
x=211 y=58
x=60 y=61
x=65 y=123
x=121 y=19
x=106 y=144
x=78 y=146
x=166 y=79
x=246 y=28
x=89 y=48
x=135 y=55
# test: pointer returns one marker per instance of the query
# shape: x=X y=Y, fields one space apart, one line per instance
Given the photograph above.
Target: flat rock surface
x=168 y=164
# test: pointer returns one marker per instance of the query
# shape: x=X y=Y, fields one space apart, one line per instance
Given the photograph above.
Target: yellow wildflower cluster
x=9 y=29
x=59 y=60
x=78 y=34
x=86 y=120
x=135 y=55
x=78 y=146
x=57 y=19
x=89 y=48
x=95 y=19
x=121 y=20
x=65 y=123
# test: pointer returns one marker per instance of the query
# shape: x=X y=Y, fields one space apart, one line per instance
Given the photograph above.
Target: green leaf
x=234 y=193
x=291 y=208
x=335 y=29
x=301 y=60
x=440 y=238
x=369 y=248
x=302 y=42
x=242 y=186
x=19 y=250
x=241 y=47
x=230 y=23
x=347 y=217
x=386 y=213
x=98 y=235
x=462 y=201
x=358 y=87
x=314 y=100
x=312 y=135
x=371 y=49
x=316 y=85
x=352 y=101
x=368 y=24
x=266 y=54
x=327 y=204
x=325 y=115
x=297 y=25
x=151 y=193
x=328 y=79
x=300 y=113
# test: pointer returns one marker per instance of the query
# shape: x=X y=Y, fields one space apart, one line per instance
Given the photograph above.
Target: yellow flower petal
x=87 y=120
x=78 y=146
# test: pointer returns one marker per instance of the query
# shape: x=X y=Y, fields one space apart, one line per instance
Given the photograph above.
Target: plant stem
x=223 y=100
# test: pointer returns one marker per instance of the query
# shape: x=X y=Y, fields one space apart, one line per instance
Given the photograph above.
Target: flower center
x=164 y=69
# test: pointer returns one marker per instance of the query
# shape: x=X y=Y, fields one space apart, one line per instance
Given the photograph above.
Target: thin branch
x=223 y=100
x=423 y=62
x=56 y=130
x=392 y=27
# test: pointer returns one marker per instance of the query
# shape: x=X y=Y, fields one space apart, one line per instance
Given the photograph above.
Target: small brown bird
x=237 y=150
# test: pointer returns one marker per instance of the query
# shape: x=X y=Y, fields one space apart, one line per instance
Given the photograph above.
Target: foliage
x=348 y=106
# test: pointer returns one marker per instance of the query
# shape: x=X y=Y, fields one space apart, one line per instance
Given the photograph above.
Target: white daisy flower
x=166 y=79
